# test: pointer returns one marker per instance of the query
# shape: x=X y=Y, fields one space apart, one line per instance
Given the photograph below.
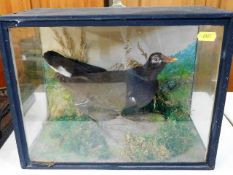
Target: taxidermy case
x=134 y=88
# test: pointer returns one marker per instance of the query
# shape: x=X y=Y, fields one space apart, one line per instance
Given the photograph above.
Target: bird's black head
x=158 y=59
x=155 y=64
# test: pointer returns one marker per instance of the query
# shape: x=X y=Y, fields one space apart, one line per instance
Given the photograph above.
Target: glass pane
x=117 y=94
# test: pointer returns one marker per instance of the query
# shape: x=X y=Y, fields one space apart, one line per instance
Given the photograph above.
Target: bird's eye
x=155 y=60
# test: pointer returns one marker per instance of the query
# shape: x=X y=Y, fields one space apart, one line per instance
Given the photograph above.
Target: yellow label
x=207 y=36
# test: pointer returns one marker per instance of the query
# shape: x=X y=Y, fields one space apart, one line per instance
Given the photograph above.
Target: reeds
x=66 y=41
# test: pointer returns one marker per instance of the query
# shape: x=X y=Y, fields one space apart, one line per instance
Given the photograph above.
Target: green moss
x=60 y=100
x=175 y=103
x=72 y=117
x=177 y=137
x=87 y=140
x=174 y=97
x=84 y=140
x=156 y=117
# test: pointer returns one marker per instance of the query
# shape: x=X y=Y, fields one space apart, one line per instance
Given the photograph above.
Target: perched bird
x=136 y=86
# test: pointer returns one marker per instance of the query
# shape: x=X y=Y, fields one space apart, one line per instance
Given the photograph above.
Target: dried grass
x=65 y=39
x=144 y=148
x=131 y=62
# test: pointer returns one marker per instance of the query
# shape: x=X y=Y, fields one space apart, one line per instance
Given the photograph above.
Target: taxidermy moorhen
x=121 y=91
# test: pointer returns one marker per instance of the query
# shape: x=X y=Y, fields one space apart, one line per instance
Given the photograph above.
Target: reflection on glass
x=118 y=94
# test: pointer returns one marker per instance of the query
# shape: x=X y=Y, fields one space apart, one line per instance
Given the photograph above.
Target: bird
x=136 y=86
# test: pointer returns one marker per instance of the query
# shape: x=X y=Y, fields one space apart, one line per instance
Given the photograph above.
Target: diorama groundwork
x=118 y=140
x=166 y=134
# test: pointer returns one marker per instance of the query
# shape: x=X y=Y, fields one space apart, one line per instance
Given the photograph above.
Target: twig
x=142 y=51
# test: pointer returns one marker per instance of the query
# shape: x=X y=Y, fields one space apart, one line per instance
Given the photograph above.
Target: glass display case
x=117 y=88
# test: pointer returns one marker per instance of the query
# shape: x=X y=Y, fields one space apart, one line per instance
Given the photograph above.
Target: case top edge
x=118 y=13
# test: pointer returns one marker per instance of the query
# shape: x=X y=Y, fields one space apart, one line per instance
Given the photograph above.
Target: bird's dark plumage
x=141 y=82
x=74 y=67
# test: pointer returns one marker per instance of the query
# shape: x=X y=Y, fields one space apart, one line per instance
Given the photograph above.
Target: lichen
x=144 y=148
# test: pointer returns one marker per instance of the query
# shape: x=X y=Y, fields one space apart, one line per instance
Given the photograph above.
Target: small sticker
x=207 y=36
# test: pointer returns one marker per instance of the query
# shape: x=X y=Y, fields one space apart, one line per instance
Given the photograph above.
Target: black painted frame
x=223 y=19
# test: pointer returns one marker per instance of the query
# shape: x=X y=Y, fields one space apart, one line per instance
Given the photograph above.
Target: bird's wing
x=69 y=67
x=84 y=68
x=140 y=90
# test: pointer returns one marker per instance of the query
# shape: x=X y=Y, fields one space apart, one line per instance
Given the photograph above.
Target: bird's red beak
x=169 y=59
